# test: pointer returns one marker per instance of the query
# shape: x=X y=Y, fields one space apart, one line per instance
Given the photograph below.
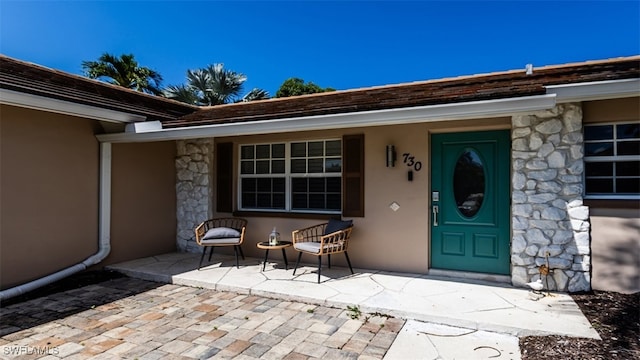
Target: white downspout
x=104 y=233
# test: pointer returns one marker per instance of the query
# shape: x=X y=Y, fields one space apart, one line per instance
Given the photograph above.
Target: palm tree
x=213 y=85
x=124 y=71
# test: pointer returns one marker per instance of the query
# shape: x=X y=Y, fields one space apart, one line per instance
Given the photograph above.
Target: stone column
x=193 y=189
x=549 y=221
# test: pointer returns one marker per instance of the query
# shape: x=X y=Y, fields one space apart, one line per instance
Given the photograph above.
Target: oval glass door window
x=468 y=183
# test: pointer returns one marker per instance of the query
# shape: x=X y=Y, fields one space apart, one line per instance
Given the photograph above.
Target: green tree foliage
x=123 y=71
x=297 y=86
x=213 y=85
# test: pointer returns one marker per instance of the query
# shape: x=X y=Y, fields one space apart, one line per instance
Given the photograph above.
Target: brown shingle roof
x=38 y=80
x=444 y=91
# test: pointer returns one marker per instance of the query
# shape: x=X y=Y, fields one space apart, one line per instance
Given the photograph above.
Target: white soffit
x=431 y=113
x=600 y=90
x=15 y=98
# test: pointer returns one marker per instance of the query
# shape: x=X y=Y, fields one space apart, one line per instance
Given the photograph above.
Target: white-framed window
x=296 y=176
x=612 y=160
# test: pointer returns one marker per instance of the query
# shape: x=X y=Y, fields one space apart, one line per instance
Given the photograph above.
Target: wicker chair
x=315 y=240
x=221 y=232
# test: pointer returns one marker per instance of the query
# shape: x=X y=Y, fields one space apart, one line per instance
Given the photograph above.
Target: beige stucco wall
x=615 y=225
x=615 y=249
x=383 y=239
x=48 y=193
x=143 y=200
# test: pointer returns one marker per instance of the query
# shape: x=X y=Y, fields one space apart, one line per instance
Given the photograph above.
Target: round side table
x=264 y=245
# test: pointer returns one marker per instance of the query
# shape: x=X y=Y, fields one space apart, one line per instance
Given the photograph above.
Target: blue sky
x=339 y=44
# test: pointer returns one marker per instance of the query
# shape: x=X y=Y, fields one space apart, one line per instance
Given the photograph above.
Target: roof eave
x=600 y=90
x=30 y=101
x=420 y=114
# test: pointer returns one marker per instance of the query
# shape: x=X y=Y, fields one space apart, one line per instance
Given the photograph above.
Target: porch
x=464 y=303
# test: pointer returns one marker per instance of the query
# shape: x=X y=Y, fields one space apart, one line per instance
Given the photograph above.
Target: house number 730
x=410 y=160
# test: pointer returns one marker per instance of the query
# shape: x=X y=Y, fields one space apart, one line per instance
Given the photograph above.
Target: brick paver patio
x=136 y=319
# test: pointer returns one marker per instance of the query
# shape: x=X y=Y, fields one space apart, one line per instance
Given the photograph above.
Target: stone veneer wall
x=194 y=176
x=548 y=216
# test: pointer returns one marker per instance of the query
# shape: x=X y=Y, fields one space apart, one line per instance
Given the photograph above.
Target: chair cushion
x=337 y=225
x=221 y=241
x=221 y=233
x=312 y=247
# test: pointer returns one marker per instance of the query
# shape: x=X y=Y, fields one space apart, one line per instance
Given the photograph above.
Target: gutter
x=418 y=114
x=104 y=244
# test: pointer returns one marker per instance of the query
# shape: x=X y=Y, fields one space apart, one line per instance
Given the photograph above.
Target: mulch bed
x=615 y=316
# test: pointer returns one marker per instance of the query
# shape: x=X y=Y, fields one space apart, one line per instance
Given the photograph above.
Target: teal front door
x=470 y=195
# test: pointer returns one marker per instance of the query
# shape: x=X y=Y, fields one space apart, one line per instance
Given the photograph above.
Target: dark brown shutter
x=353 y=175
x=224 y=177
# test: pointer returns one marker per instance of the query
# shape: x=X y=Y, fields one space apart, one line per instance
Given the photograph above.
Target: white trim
x=15 y=98
x=431 y=113
x=600 y=90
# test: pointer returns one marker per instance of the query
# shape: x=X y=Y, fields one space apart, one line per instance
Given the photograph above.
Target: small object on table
x=266 y=245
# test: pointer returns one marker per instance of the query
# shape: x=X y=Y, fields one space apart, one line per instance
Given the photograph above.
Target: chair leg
x=210 y=253
x=329 y=261
x=319 y=267
x=348 y=261
x=241 y=253
x=204 y=251
x=297 y=262
x=235 y=249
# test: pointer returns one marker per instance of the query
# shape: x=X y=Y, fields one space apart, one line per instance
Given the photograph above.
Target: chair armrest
x=335 y=242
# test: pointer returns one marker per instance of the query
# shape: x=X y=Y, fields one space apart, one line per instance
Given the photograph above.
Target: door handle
x=435 y=215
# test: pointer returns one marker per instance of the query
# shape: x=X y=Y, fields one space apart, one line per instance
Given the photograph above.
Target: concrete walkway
x=472 y=305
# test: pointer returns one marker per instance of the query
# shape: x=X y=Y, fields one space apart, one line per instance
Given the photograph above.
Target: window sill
x=612 y=203
x=289 y=215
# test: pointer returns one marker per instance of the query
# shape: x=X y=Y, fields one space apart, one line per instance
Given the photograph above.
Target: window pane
x=277 y=166
x=599 y=186
x=628 y=186
x=298 y=149
x=299 y=166
x=316 y=148
x=628 y=131
x=264 y=185
x=469 y=194
x=278 y=201
x=628 y=168
x=598 y=149
x=316 y=185
x=248 y=199
x=333 y=202
x=629 y=148
x=263 y=151
x=299 y=201
x=246 y=167
x=299 y=185
x=334 y=185
x=249 y=185
x=334 y=148
x=262 y=167
x=333 y=165
x=278 y=185
x=601 y=132
x=246 y=152
x=316 y=201
x=315 y=166
x=599 y=169
x=264 y=201
x=277 y=151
